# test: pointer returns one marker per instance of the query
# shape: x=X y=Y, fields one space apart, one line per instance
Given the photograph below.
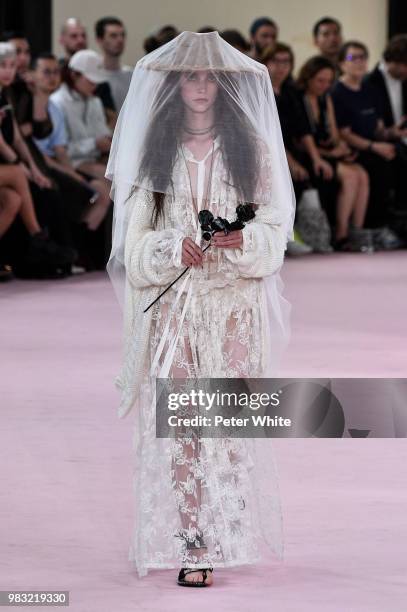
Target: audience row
x=344 y=129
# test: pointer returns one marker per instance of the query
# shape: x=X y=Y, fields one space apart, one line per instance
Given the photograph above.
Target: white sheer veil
x=246 y=105
x=249 y=129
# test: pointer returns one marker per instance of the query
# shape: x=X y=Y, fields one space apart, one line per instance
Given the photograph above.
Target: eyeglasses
x=356 y=57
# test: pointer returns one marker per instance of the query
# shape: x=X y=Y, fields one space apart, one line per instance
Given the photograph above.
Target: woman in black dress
x=314 y=81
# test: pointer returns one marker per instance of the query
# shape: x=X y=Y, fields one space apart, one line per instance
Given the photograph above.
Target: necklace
x=198 y=132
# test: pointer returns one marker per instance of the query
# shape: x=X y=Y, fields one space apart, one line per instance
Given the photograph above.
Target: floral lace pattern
x=197 y=500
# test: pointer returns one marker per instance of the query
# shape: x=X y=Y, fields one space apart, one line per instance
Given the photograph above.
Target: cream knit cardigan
x=153 y=261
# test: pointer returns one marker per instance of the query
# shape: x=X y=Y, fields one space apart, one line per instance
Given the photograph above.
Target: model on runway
x=199 y=130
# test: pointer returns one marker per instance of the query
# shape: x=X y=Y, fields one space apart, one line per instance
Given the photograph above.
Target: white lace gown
x=224 y=489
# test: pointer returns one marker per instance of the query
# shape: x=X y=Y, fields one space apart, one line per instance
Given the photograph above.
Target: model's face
x=266 y=36
x=321 y=82
x=47 y=75
x=113 y=40
x=397 y=70
x=199 y=90
x=7 y=71
x=279 y=67
x=329 y=39
x=355 y=63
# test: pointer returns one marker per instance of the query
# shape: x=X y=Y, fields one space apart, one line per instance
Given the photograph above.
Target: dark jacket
x=376 y=80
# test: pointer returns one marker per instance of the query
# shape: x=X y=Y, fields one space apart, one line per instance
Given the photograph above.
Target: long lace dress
x=209 y=501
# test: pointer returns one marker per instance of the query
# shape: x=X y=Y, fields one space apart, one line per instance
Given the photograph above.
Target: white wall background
x=362 y=19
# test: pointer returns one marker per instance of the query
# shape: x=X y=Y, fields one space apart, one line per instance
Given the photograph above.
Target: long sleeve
x=264 y=243
x=265 y=236
x=151 y=256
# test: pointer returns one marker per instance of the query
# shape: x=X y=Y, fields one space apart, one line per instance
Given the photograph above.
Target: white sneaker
x=295 y=248
x=77 y=269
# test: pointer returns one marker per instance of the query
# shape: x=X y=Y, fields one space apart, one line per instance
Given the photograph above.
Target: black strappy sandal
x=198 y=583
x=194 y=542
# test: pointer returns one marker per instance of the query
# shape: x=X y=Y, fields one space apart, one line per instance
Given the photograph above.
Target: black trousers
x=382 y=187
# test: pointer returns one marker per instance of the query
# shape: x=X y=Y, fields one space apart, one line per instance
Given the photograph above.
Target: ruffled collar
x=190 y=156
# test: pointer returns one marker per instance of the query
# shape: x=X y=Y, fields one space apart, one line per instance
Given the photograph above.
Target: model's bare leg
x=185 y=456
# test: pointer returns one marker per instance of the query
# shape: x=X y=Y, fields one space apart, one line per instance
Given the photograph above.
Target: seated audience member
x=28 y=241
x=327 y=34
x=236 y=39
x=111 y=36
x=159 y=38
x=20 y=88
x=77 y=189
x=73 y=38
x=362 y=127
x=35 y=122
x=314 y=81
x=306 y=164
x=14 y=150
x=388 y=82
x=263 y=35
x=89 y=137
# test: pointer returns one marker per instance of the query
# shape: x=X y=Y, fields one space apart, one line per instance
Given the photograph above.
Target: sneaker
x=294 y=248
x=384 y=239
x=6 y=273
x=78 y=269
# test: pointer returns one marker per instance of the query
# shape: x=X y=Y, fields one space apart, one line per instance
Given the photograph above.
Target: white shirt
x=394 y=90
x=85 y=122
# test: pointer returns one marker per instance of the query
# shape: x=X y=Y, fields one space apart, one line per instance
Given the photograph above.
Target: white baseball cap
x=90 y=64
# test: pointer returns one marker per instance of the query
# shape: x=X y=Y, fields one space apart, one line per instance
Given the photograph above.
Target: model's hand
x=191 y=253
x=233 y=240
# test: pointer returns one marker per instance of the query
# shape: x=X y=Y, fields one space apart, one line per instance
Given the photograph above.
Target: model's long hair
x=238 y=141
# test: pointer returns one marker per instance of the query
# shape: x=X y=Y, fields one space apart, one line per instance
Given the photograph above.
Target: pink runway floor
x=66 y=493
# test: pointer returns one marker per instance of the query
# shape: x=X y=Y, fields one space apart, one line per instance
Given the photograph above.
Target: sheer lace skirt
x=200 y=502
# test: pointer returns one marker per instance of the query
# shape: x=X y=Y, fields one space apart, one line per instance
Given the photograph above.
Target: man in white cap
x=88 y=132
x=89 y=137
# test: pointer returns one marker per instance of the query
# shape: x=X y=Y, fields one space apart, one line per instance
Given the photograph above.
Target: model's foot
x=197 y=576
